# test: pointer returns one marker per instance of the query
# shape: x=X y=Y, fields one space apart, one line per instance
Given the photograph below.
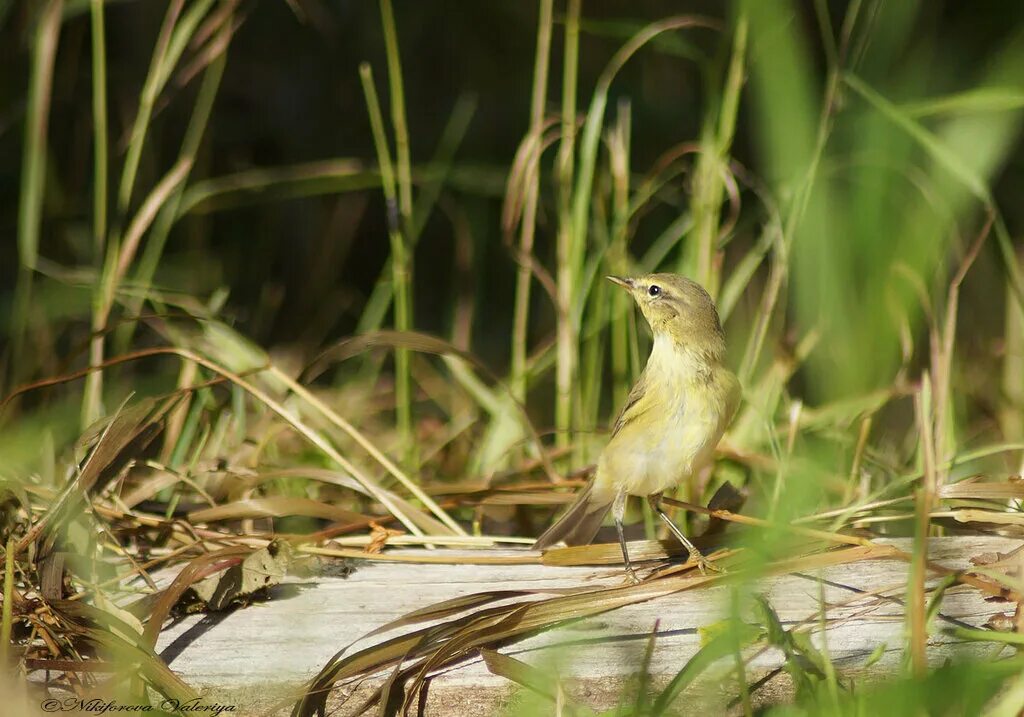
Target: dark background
x=299 y=269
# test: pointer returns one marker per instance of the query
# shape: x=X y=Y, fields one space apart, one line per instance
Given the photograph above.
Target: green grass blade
x=33 y=168
x=99 y=118
x=719 y=647
x=931 y=144
x=400 y=260
x=524 y=277
x=147 y=265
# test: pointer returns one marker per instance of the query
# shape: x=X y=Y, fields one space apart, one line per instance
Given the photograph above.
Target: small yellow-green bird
x=673 y=417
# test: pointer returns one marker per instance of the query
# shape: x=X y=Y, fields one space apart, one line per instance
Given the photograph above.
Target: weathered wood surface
x=254 y=655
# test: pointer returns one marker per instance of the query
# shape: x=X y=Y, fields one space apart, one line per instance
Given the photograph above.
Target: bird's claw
x=631 y=577
x=704 y=565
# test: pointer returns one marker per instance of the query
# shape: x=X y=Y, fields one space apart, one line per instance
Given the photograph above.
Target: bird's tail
x=579 y=524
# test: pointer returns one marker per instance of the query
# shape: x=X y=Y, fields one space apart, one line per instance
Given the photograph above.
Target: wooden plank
x=255 y=655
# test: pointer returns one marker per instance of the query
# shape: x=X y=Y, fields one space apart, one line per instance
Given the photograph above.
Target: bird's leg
x=618 y=512
x=702 y=563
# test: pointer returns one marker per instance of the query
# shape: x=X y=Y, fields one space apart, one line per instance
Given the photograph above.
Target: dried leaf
x=379 y=538
x=238 y=584
x=1003 y=622
x=197 y=569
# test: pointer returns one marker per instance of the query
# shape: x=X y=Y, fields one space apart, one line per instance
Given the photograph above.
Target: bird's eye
x=654 y=290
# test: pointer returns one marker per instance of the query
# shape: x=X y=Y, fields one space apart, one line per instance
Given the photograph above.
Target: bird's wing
x=733 y=394
x=634 y=407
x=579 y=524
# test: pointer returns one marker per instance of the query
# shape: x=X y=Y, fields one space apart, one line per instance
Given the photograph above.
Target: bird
x=672 y=419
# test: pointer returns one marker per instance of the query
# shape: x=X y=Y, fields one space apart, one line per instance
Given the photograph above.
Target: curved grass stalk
x=301 y=391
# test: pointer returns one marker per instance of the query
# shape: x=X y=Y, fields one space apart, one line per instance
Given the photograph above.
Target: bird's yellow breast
x=678 y=421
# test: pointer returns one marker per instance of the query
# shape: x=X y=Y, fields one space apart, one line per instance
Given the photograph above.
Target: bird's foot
x=631 y=577
x=704 y=565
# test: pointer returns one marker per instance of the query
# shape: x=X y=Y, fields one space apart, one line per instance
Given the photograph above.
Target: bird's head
x=677 y=307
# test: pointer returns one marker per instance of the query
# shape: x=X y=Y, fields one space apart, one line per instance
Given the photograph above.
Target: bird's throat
x=674 y=359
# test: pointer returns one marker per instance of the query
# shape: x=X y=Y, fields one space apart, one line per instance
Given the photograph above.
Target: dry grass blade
x=610 y=553
x=123 y=438
x=228 y=348
x=538 y=498
x=470 y=559
x=241 y=483
x=145 y=216
x=392 y=652
x=971 y=515
x=132 y=656
x=276 y=507
x=973 y=489
x=425 y=343
x=387 y=696
x=731 y=517
x=149 y=487
x=449 y=607
x=411 y=485
x=412 y=517
x=310 y=434
x=458 y=646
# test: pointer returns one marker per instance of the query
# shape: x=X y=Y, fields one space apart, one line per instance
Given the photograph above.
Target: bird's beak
x=625 y=283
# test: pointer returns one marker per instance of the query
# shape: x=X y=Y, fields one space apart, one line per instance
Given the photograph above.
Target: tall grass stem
x=99 y=129
x=712 y=165
x=565 y=341
x=925 y=497
x=399 y=257
x=403 y=270
x=157 y=239
x=524 y=275
x=33 y=169
x=150 y=91
x=5 y=622
x=398 y=118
